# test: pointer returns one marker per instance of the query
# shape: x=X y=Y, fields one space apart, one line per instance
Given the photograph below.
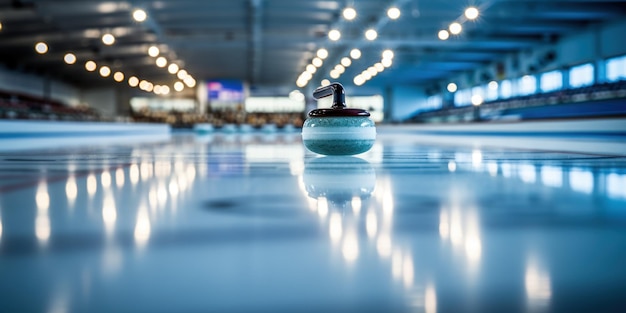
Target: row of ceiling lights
x=185 y=79
x=370 y=72
x=456 y=27
x=348 y=13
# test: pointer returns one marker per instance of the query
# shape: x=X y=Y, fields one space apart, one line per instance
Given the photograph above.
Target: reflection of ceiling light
x=443 y=34
x=325 y=82
x=108 y=39
x=173 y=68
x=41 y=47
x=118 y=76
x=393 y=13
x=339 y=68
x=334 y=74
x=379 y=67
x=334 y=35
x=452 y=87
x=311 y=69
x=161 y=62
x=372 y=71
x=471 y=13
x=105 y=71
x=349 y=13
x=455 y=28
x=153 y=51
x=317 y=62
x=355 y=54
x=69 y=58
x=90 y=66
x=133 y=81
x=140 y=15
x=301 y=83
x=493 y=85
x=0 y=25
x=322 y=53
x=182 y=74
x=371 y=34
x=345 y=61
x=386 y=62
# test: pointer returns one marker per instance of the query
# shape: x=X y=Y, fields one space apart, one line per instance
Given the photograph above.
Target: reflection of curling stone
x=338 y=130
x=339 y=179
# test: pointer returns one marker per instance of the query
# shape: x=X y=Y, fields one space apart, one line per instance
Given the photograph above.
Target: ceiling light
x=157 y=90
x=393 y=13
x=339 y=68
x=455 y=28
x=477 y=100
x=179 y=86
x=133 y=81
x=379 y=67
x=69 y=58
x=0 y=25
x=90 y=66
x=345 y=61
x=386 y=62
x=322 y=53
x=371 y=34
x=334 y=74
x=493 y=85
x=143 y=85
x=317 y=62
x=349 y=13
x=140 y=15
x=105 y=71
x=306 y=76
x=325 y=82
x=118 y=76
x=358 y=80
x=153 y=51
x=41 y=47
x=173 y=68
x=355 y=54
x=182 y=74
x=452 y=87
x=334 y=35
x=108 y=39
x=165 y=90
x=161 y=62
x=301 y=83
x=387 y=54
x=311 y=69
x=443 y=34
x=190 y=82
x=372 y=71
x=149 y=87
x=366 y=75
x=471 y=13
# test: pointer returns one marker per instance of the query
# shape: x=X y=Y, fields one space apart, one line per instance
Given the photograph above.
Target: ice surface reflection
x=408 y=228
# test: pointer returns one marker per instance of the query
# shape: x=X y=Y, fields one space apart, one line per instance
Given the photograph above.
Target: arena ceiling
x=270 y=42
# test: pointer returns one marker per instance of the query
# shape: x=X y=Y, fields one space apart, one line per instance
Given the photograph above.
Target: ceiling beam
x=255 y=47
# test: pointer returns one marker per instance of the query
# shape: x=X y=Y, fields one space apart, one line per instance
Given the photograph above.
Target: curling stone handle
x=334 y=89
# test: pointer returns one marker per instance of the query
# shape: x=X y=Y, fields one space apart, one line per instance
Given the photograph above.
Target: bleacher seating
x=21 y=106
x=595 y=100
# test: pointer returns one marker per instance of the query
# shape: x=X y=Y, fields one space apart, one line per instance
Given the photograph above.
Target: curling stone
x=338 y=130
